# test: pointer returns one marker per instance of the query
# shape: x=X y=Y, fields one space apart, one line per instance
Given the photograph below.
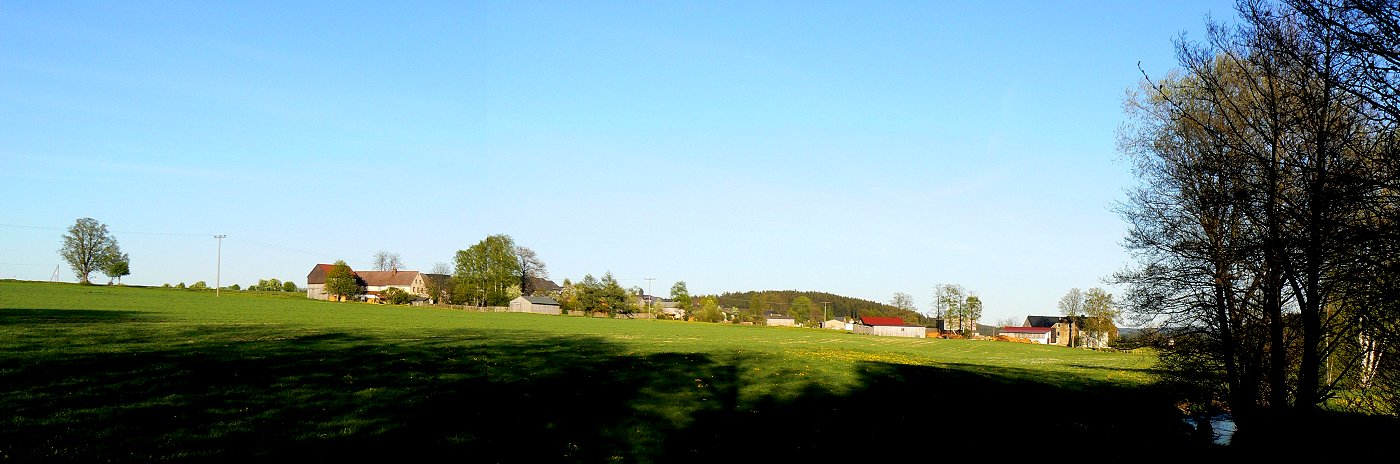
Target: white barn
x=889 y=327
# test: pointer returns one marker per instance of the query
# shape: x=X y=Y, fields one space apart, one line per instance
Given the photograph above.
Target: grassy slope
x=144 y=374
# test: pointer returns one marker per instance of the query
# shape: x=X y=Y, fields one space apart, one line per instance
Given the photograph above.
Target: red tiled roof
x=1026 y=330
x=870 y=320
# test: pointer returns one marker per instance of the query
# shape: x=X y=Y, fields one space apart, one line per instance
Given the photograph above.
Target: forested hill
x=780 y=300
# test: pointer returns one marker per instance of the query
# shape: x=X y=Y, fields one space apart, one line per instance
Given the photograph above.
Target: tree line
x=1266 y=226
x=809 y=306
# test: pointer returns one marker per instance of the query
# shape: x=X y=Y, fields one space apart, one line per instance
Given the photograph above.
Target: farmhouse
x=374 y=282
x=889 y=327
x=1060 y=328
x=1064 y=329
x=535 y=304
x=1034 y=334
x=378 y=281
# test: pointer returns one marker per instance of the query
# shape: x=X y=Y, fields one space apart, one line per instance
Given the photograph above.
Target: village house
x=889 y=327
x=1060 y=328
x=1065 y=329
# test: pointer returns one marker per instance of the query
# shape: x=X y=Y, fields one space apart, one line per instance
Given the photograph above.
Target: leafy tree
x=801 y=309
x=759 y=304
x=85 y=246
x=180 y=285
x=115 y=265
x=709 y=311
x=569 y=297
x=387 y=261
x=341 y=282
x=588 y=291
x=1100 y=312
x=513 y=292
x=972 y=310
x=289 y=286
x=955 y=317
x=681 y=296
x=199 y=286
x=612 y=298
x=396 y=296
x=234 y=287
x=485 y=270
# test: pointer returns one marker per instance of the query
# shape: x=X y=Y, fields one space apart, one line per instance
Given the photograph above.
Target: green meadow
x=141 y=374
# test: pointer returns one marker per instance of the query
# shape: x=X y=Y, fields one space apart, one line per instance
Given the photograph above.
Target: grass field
x=137 y=374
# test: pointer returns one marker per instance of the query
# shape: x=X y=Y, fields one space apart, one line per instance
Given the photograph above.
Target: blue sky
x=858 y=148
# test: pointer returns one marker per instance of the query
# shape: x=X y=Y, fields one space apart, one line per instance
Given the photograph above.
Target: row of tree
x=270 y=285
x=807 y=306
x=1267 y=225
x=1092 y=311
x=957 y=307
x=593 y=295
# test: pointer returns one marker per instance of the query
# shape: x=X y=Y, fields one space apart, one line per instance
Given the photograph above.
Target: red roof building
x=1027 y=330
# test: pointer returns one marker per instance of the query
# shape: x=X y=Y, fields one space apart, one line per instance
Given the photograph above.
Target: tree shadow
x=16 y=316
x=234 y=393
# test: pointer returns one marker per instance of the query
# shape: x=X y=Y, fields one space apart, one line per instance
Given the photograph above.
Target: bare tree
x=1072 y=307
x=387 y=261
x=438 y=282
x=903 y=301
x=1265 y=224
x=531 y=268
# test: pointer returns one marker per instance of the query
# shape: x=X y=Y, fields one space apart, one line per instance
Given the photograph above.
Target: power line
x=182 y=234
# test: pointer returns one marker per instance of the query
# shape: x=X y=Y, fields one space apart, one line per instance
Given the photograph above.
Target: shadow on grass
x=14 y=316
x=234 y=393
x=1143 y=370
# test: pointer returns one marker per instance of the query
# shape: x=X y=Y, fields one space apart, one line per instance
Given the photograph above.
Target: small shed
x=840 y=323
x=779 y=320
x=535 y=304
x=889 y=327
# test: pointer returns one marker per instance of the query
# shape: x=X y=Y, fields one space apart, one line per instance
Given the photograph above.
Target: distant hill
x=838 y=306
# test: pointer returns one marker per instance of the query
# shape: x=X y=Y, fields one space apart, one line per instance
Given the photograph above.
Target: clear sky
x=859 y=148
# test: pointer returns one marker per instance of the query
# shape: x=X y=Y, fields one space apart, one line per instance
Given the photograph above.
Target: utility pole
x=648 y=292
x=219 y=266
x=826 y=313
x=649 y=295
